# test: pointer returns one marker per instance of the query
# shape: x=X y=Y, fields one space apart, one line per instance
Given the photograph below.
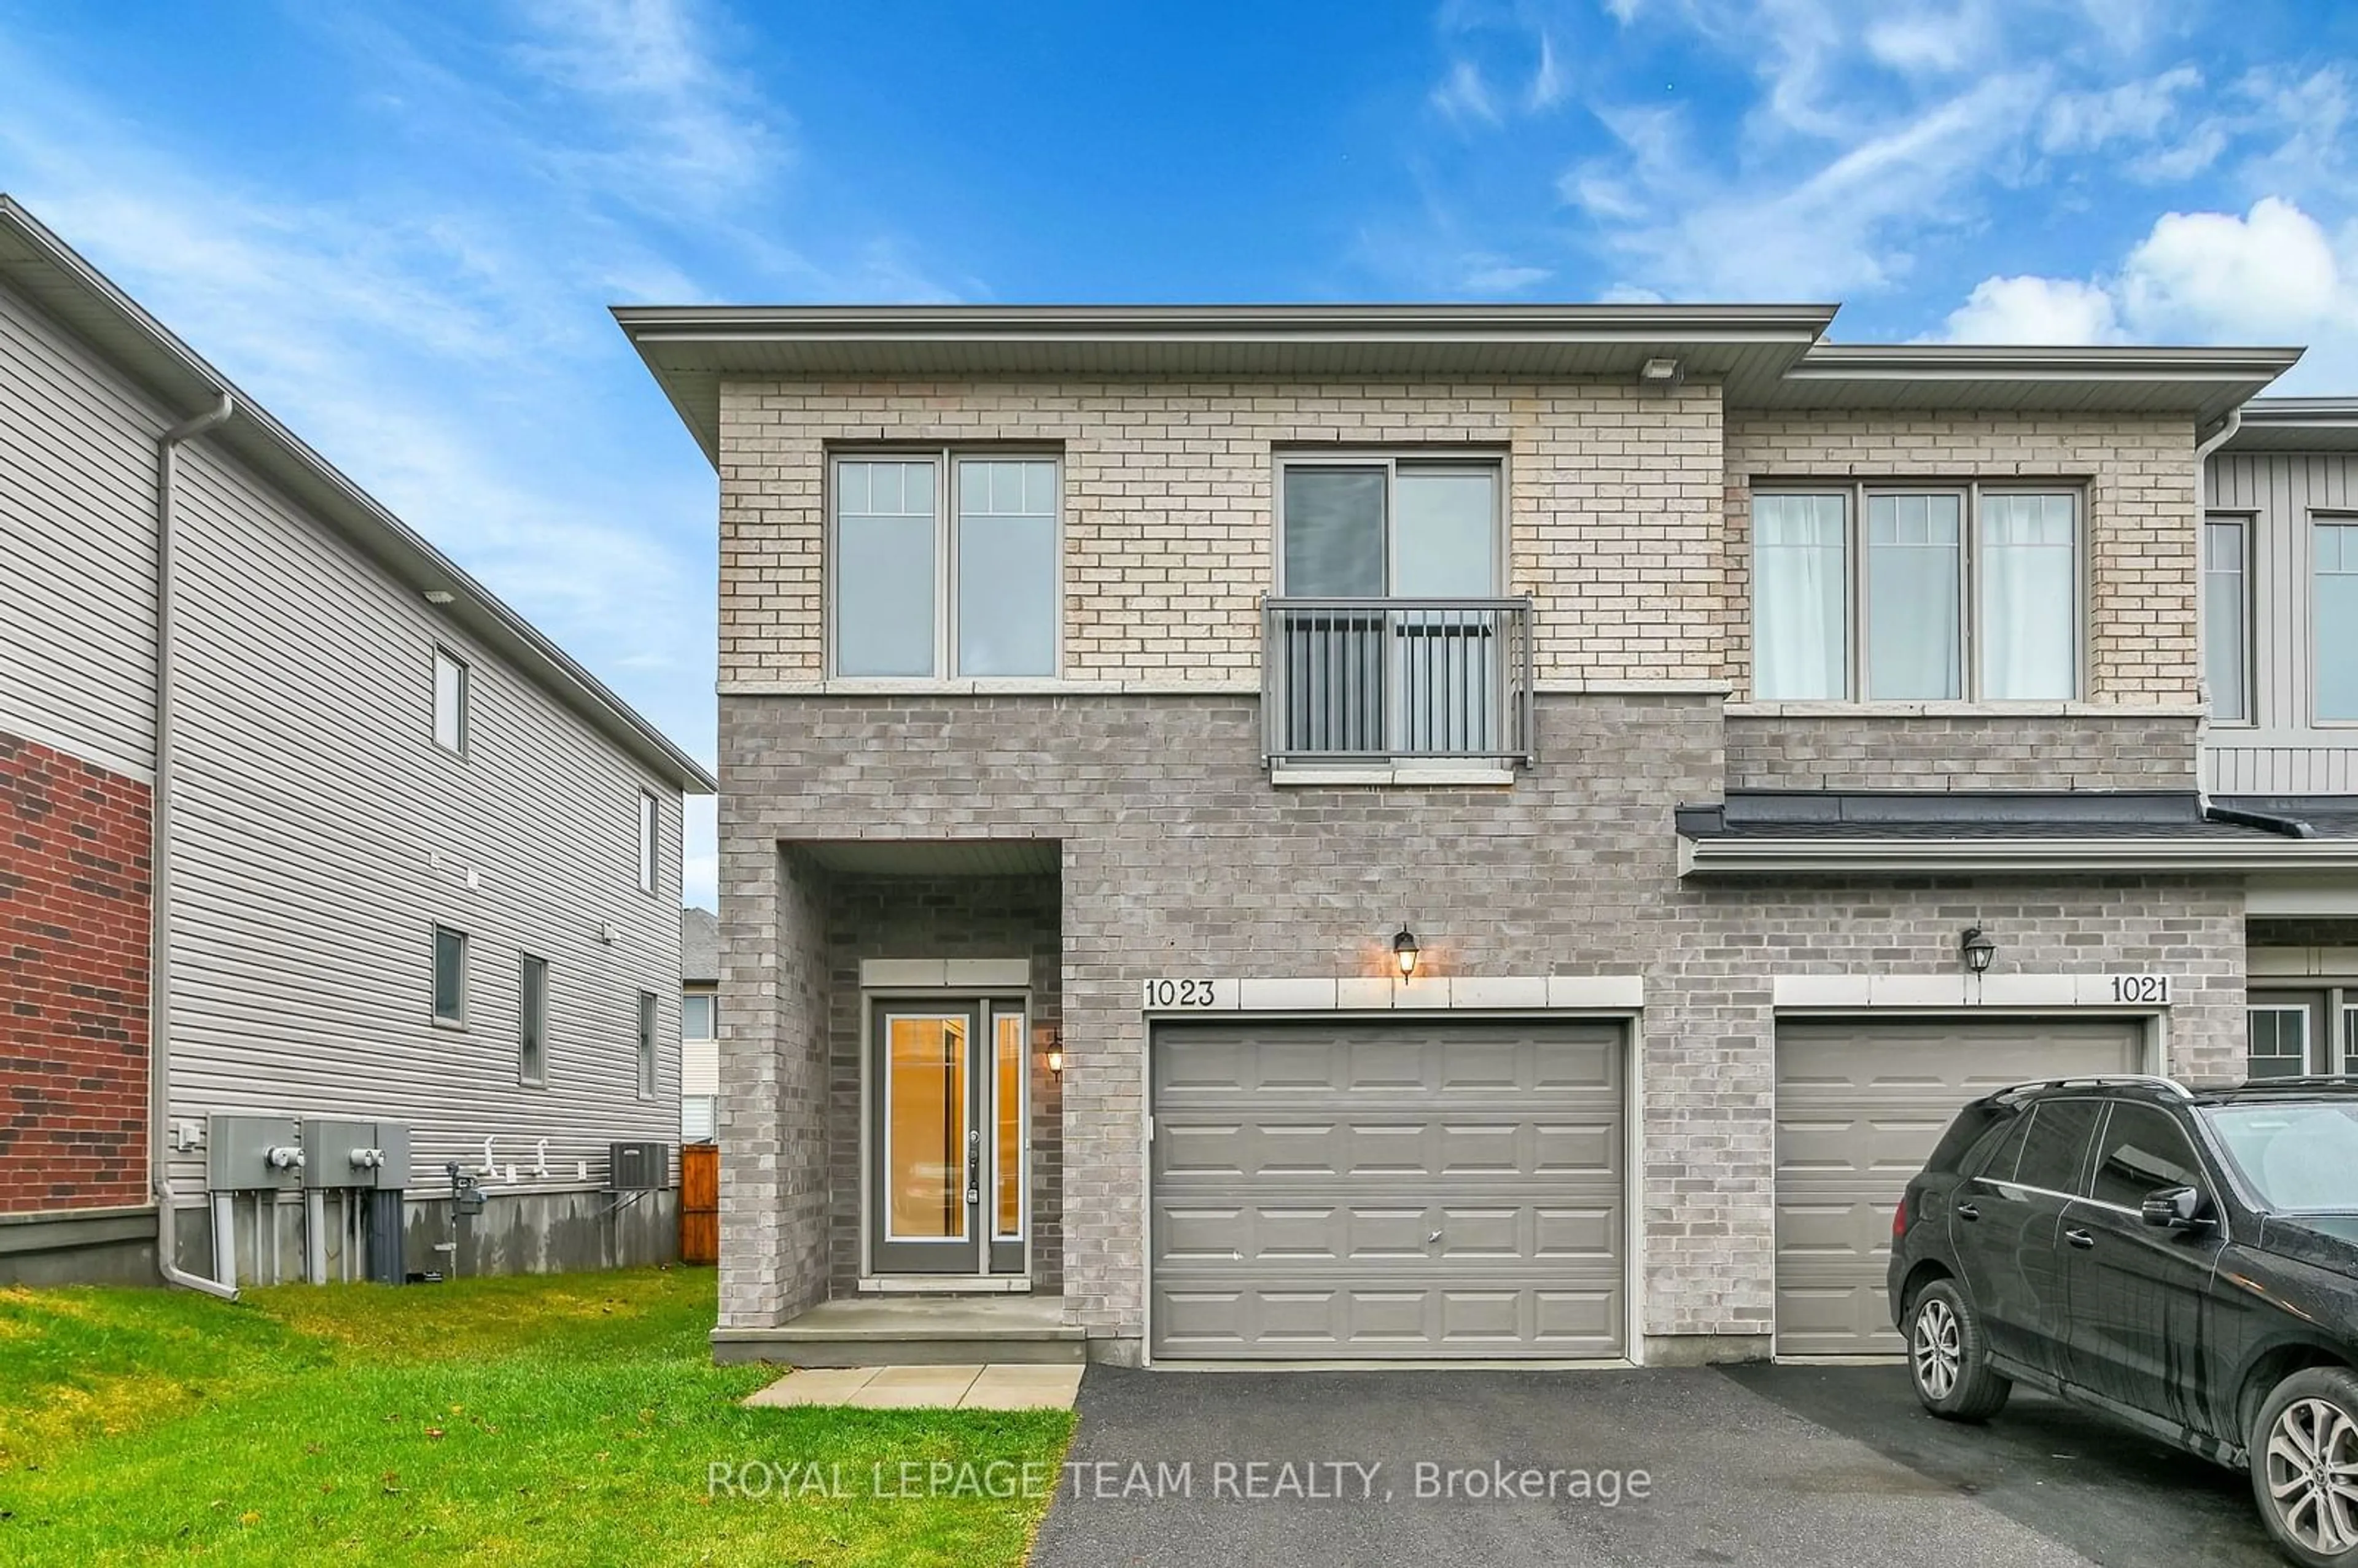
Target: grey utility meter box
x=369 y=1154
x=254 y=1153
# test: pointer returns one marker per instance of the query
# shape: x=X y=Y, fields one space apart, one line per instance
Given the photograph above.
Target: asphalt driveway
x=1779 y=1466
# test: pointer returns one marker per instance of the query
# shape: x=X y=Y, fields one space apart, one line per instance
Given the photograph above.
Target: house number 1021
x=2140 y=987
x=1178 y=993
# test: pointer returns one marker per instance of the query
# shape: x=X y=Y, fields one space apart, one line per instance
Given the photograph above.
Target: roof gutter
x=1994 y=857
x=160 y=856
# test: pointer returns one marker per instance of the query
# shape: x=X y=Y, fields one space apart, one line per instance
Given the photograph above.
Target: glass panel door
x=947 y=1145
x=1009 y=1108
x=1447 y=670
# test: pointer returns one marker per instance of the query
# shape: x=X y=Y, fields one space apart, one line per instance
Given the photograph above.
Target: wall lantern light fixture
x=1977 y=948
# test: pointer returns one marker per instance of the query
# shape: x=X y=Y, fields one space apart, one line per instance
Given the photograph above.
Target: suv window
x=1968 y=1134
x=1994 y=1154
x=2055 y=1149
x=2143 y=1151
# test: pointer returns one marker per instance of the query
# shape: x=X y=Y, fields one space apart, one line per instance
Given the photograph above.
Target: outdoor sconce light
x=1056 y=1054
x=1977 y=948
x=1404 y=952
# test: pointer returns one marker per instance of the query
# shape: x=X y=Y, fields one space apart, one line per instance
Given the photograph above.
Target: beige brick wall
x=2140 y=475
x=1612 y=502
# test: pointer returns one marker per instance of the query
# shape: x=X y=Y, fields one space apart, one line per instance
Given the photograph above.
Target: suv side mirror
x=2175 y=1208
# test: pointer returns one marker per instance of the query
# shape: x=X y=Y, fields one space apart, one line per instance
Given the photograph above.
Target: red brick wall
x=75 y=910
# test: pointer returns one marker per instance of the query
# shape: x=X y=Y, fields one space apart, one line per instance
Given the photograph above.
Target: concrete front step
x=913 y=1331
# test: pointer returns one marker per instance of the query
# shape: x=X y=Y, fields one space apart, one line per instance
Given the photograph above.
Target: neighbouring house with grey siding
x=699 y=1047
x=1438 y=832
x=384 y=878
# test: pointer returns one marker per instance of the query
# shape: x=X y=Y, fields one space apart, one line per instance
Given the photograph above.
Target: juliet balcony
x=1386 y=682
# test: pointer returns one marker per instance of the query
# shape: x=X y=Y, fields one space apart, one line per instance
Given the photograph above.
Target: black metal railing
x=1396 y=679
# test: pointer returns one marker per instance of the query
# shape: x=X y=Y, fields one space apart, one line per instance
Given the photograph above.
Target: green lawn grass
x=571 y=1420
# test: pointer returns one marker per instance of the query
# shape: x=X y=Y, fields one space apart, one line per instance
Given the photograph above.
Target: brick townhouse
x=1453 y=832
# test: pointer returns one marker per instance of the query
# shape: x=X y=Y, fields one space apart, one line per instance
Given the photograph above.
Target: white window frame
x=2346 y=1040
x=2319 y=520
x=531 y=1032
x=711 y=1011
x=1855 y=494
x=433 y=976
x=462 y=723
x=2304 y=1010
x=650 y=840
x=1392 y=460
x=2246 y=526
x=946 y=532
x=650 y=1051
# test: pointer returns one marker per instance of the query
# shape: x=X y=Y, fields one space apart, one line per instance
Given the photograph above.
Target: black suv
x=2184 y=1261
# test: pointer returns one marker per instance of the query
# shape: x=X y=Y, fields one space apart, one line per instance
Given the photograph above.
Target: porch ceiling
x=937 y=856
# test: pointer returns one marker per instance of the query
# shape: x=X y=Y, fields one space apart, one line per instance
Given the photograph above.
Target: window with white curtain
x=1916 y=594
x=2336 y=615
x=2226 y=618
x=1800 y=576
x=945 y=565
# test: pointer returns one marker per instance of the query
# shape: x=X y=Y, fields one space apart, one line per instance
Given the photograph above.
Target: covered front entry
x=1859 y=1105
x=947 y=1146
x=1334 y=1187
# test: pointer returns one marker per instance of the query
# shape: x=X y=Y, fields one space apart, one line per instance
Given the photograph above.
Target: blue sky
x=399 y=226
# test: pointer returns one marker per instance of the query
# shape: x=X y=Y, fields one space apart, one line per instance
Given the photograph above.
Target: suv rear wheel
x=1949 y=1359
x=2305 y=1466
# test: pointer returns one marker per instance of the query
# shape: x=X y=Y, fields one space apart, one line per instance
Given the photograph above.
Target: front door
x=947 y=1145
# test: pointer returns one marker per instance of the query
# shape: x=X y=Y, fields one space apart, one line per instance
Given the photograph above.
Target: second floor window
x=449 y=1002
x=449 y=702
x=2335 y=612
x=2227 y=627
x=696 y=1015
x=1381 y=528
x=945 y=565
x=650 y=825
x=1905 y=595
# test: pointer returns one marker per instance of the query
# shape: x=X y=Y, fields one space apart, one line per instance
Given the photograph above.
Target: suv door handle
x=1968 y=1211
x=2082 y=1239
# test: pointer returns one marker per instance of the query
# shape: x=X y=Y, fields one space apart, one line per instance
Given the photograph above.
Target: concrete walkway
x=992 y=1387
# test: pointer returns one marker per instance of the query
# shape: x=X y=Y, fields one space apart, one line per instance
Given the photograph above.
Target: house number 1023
x=2140 y=987
x=1178 y=993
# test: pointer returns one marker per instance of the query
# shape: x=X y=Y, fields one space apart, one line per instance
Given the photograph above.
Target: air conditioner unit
x=639 y=1167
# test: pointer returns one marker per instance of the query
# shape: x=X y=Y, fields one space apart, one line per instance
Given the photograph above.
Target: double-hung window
x=945 y=565
x=2226 y=617
x=696 y=1015
x=2335 y=615
x=2277 y=1045
x=1901 y=593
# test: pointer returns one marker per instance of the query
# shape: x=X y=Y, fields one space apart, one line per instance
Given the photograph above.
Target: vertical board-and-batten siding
x=2284 y=751
x=77 y=555
x=312 y=801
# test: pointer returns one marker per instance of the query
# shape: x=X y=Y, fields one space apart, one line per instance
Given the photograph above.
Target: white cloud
x=2034 y=311
x=1548 y=83
x=2272 y=275
x=2270 y=272
x=1464 y=95
x=2134 y=111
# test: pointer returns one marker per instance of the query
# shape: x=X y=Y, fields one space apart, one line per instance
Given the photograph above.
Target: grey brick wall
x=943 y=917
x=1180 y=858
x=1950 y=751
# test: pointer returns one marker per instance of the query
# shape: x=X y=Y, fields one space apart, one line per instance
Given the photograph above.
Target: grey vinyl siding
x=77 y=545
x=2283 y=751
x=314 y=806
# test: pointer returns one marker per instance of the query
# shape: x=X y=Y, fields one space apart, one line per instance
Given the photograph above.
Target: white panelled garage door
x=1385 y=1189
x=1859 y=1107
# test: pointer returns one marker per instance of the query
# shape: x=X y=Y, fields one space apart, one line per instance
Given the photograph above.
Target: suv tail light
x=1899 y=1219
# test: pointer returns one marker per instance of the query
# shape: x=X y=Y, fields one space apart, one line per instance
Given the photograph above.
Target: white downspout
x=159 y=982
x=2202 y=450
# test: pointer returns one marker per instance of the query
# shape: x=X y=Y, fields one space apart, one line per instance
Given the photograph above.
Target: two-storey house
x=1430 y=832
x=339 y=908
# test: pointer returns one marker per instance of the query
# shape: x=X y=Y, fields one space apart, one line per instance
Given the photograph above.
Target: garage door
x=1336 y=1189
x=1859 y=1107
